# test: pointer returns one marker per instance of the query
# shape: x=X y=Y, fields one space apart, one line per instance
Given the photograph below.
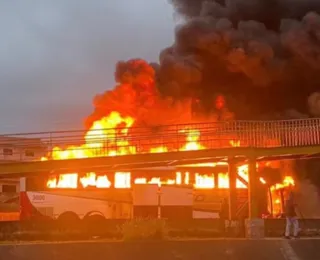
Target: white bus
x=140 y=196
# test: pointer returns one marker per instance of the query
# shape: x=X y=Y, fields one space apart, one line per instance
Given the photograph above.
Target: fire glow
x=112 y=132
x=123 y=180
x=109 y=137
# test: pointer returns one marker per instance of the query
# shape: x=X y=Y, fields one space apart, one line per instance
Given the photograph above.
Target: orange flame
x=287 y=181
x=108 y=132
x=69 y=180
x=109 y=137
x=192 y=140
x=91 y=179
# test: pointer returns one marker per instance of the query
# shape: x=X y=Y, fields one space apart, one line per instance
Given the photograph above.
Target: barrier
x=192 y=228
x=214 y=135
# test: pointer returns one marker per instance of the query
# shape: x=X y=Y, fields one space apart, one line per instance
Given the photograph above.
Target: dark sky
x=56 y=55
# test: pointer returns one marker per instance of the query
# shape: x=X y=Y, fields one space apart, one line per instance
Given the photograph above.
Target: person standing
x=291 y=216
x=224 y=216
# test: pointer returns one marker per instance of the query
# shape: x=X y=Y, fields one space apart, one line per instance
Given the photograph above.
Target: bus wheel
x=68 y=221
x=95 y=224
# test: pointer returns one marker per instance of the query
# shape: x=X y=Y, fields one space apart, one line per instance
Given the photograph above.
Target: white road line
x=287 y=251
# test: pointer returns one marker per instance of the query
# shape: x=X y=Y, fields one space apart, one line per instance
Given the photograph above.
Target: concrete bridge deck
x=130 y=162
x=218 y=249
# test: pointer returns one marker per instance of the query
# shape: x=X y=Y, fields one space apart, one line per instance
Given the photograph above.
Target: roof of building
x=13 y=141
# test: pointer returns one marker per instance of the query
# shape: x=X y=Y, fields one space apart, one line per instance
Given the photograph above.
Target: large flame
x=277 y=196
x=192 y=140
x=109 y=132
x=91 y=179
x=109 y=137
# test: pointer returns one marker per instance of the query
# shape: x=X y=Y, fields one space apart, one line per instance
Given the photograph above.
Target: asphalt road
x=219 y=249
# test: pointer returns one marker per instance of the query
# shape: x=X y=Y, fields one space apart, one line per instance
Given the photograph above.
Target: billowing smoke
x=314 y=103
x=263 y=56
x=136 y=95
x=259 y=59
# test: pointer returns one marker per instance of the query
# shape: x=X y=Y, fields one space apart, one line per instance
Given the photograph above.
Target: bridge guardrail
x=214 y=135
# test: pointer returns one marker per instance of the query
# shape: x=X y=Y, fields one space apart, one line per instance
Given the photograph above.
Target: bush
x=144 y=229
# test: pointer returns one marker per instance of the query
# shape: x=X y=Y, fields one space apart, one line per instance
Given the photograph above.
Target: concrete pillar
x=254 y=225
x=159 y=201
x=233 y=172
x=252 y=189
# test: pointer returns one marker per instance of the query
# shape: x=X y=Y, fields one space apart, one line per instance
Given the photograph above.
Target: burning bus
x=190 y=191
x=193 y=191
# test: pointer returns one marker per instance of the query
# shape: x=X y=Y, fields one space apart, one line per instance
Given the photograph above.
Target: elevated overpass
x=110 y=149
x=125 y=149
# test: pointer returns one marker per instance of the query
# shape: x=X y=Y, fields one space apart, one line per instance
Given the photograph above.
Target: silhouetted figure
x=224 y=210
x=224 y=214
x=291 y=216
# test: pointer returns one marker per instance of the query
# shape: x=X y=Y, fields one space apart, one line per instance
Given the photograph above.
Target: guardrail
x=138 y=140
x=108 y=228
x=112 y=228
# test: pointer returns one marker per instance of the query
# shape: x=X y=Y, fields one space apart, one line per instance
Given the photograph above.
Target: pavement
x=204 y=249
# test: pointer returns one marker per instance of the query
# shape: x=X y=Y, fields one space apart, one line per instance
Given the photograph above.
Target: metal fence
x=138 y=140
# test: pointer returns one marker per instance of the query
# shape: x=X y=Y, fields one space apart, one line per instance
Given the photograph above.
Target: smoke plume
x=262 y=55
x=136 y=95
x=259 y=59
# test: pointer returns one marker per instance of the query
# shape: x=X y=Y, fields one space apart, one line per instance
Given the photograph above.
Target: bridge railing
x=120 y=141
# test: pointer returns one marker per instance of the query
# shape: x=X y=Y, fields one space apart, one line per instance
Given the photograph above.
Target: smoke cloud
x=259 y=59
x=261 y=55
x=136 y=95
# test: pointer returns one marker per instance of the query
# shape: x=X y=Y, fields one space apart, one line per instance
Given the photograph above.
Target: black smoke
x=262 y=55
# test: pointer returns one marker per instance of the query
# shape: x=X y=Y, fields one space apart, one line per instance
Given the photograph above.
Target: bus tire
x=68 y=220
x=94 y=213
x=95 y=224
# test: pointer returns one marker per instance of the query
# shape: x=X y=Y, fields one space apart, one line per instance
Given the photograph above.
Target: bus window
x=9 y=188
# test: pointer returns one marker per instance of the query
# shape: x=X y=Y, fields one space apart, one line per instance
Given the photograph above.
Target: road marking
x=287 y=251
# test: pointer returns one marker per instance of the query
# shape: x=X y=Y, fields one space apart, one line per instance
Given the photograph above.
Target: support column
x=252 y=189
x=232 y=189
x=254 y=225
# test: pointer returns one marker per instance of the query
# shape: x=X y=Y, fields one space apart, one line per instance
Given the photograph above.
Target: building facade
x=13 y=149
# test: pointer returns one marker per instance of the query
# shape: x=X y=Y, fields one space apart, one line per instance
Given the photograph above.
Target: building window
x=7 y=151
x=29 y=153
x=9 y=188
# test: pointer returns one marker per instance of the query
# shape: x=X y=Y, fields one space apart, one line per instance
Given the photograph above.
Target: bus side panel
x=145 y=200
x=27 y=210
x=170 y=202
x=35 y=204
x=176 y=202
x=208 y=203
